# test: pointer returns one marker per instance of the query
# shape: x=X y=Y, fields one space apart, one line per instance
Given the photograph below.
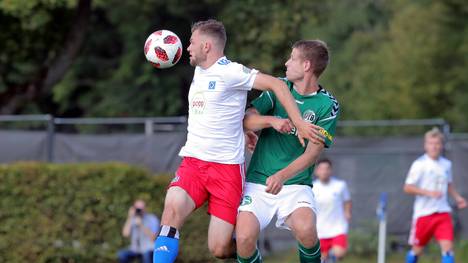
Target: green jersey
x=274 y=151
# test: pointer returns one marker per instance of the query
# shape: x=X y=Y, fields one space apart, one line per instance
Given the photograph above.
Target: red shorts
x=424 y=228
x=220 y=184
x=327 y=243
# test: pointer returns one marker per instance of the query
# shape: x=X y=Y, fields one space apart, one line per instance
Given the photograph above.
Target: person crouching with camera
x=141 y=227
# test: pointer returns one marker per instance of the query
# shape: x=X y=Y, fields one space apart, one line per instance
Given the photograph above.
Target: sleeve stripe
x=269 y=96
x=329 y=118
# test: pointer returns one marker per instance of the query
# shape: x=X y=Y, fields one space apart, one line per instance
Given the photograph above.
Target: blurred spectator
x=141 y=227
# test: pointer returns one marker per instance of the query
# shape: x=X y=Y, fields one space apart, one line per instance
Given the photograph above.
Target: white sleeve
x=345 y=193
x=414 y=174
x=449 y=175
x=240 y=77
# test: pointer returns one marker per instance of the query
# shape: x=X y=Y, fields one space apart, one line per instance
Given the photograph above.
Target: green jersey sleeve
x=327 y=121
x=265 y=102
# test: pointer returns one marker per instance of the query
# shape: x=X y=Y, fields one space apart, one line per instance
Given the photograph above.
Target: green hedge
x=75 y=212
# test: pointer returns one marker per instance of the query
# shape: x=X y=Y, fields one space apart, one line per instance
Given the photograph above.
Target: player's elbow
x=407 y=189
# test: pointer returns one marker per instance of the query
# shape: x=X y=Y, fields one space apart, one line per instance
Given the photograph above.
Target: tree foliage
x=390 y=59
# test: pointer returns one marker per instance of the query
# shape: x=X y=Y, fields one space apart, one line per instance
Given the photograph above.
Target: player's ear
x=207 y=46
x=307 y=65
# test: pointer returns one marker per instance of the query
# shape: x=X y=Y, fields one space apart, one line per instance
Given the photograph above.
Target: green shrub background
x=75 y=212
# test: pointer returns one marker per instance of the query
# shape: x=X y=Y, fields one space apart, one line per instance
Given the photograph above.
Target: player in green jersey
x=279 y=178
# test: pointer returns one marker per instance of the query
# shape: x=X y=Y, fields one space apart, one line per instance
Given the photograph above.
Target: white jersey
x=432 y=175
x=330 y=198
x=217 y=100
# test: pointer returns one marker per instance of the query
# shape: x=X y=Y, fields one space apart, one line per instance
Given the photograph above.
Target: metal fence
x=370 y=164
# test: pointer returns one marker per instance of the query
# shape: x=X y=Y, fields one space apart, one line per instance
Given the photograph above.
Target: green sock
x=309 y=255
x=255 y=258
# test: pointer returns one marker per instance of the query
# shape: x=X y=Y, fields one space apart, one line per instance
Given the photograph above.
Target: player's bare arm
x=347 y=210
x=461 y=202
x=275 y=182
x=254 y=121
x=267 y=82
x=414 y=190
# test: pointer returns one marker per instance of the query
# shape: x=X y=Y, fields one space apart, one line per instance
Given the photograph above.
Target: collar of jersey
x=307 y=95
x=214 y=64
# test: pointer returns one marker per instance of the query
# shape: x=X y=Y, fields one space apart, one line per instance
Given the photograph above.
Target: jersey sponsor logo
x=198 y=103
x=246 y=70
x=326 y=134
x=223 y=61
x=247 y=200
x=211 y=85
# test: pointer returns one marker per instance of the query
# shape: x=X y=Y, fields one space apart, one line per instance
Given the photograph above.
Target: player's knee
x=172 y=211
x=340 y=252
x=245 y=240
x=220 y=251
x=306 y=235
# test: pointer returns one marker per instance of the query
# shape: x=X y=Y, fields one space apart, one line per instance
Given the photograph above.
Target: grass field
x=431 y=257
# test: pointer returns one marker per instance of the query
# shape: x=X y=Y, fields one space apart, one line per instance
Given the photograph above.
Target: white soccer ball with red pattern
x=163 y=49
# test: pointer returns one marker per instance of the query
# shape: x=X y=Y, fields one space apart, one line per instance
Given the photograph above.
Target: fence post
x=50 y=138
x=149 y=129
x=381 y=214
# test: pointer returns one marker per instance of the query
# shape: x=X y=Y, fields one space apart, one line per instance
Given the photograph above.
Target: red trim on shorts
x=438 y=225
x=339 y=241
x=219 y=184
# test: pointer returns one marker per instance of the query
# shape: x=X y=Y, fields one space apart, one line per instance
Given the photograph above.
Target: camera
x=138 y=211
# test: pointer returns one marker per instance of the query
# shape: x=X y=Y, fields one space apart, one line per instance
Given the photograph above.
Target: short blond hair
x=213 y=28
x=434 y=133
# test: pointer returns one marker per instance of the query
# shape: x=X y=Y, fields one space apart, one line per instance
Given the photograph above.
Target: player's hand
x=461 y=202
x=274 y=184
x=434 y=194
x=250 y=140
x=282 y=125
x=311 y=132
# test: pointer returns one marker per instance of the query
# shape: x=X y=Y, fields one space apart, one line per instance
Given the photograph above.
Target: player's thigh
x=259 y=204
x=224 y=185
x=340 y=245
x=302 y=222
x=220 y=234
x=444 y=232
x=178 y=205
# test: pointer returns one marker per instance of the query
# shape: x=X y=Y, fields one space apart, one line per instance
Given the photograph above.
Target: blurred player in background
x=430 y=179
x=213 y=157
x=334 y=211
x=279 y=178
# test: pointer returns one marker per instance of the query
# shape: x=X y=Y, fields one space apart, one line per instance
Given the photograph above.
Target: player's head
x=323 y=170
x=434 y=142
x=207 y=37
x=307 y=57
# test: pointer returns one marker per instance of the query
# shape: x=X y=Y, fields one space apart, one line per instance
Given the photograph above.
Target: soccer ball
x=163 y=49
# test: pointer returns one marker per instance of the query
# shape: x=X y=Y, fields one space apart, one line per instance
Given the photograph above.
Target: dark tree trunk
x=14 y=99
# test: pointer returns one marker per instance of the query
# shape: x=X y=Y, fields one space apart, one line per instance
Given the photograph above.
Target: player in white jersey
x=334 y=211
x=430 y=180
x=213 y=156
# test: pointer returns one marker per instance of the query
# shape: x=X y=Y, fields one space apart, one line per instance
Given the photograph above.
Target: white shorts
x=265 y=205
